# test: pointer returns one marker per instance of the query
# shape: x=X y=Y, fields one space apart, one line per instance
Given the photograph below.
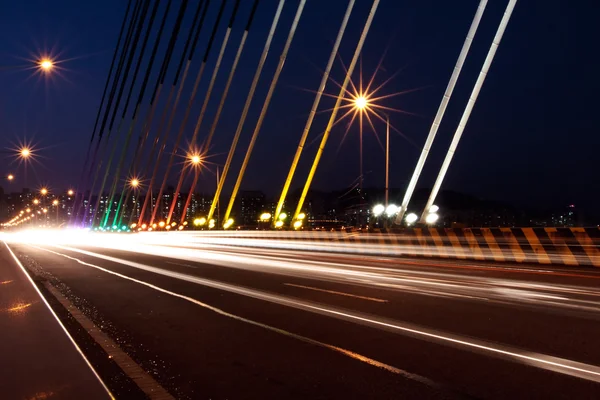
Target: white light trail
x=556 y=364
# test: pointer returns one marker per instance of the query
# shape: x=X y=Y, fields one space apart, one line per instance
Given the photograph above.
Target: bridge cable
x=263 y=112
x=189 y=106
x=246 y=107
x=341 y=95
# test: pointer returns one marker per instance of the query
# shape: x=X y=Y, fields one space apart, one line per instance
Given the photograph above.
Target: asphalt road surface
x=223 y=322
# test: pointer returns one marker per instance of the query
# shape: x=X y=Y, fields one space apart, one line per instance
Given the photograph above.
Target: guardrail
x=563 y=246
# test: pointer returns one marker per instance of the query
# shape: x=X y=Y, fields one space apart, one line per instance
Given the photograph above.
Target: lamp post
x=387 y=159
x=55 y=203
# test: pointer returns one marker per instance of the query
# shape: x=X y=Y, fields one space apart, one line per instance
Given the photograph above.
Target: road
x=224 y=322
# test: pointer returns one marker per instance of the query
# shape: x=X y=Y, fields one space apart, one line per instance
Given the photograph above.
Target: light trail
x=292 y=260
x=219 y=311
x=337 y=293
x=538 y=360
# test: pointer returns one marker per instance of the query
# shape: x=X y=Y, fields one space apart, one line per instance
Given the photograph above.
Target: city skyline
x=501 y=148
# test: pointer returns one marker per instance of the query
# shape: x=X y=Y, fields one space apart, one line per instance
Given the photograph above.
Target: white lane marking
x=219 y=311
x=18 y=262
x=136 y=373
x=338 y=293
x=181 y=264
x=561 y=365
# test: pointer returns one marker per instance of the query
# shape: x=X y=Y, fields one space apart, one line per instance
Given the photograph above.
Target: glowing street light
x=46 y=64
x=282 y=216
x=195 y=159
x=134 y=183
x=392 y=210
x=297 y=224
x=71 y=192
x=44 y=191
x=301 y=216
x=25 y=152
x=228 y=224
x=264 y=217
x=55 y=202
x=279 y=224
x=200 y=221
x=378 y=210
x=432 y=218
x=10 y=177
x=411 y=218
x=361 y=102
x=434 y=209
x=36 y=201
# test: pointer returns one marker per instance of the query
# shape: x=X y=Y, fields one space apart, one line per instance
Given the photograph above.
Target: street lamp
x=25 y=152
x=44 y=191
x=10 y=177
x=265 y=217
x=228 y=223
x=411 y=218
x=432 y=218
x=195 y=159
x=378 y=210
x=134 y=183
x=46 y=64
x=361 y=102
x=71 y=192
x=391 y=210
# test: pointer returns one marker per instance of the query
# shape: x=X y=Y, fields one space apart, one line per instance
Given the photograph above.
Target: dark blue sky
x=532 y=138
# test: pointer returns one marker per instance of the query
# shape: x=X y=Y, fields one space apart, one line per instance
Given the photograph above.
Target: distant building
x=251 y=205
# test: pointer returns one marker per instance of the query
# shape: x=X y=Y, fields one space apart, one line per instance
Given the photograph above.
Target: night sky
x=532 y=138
